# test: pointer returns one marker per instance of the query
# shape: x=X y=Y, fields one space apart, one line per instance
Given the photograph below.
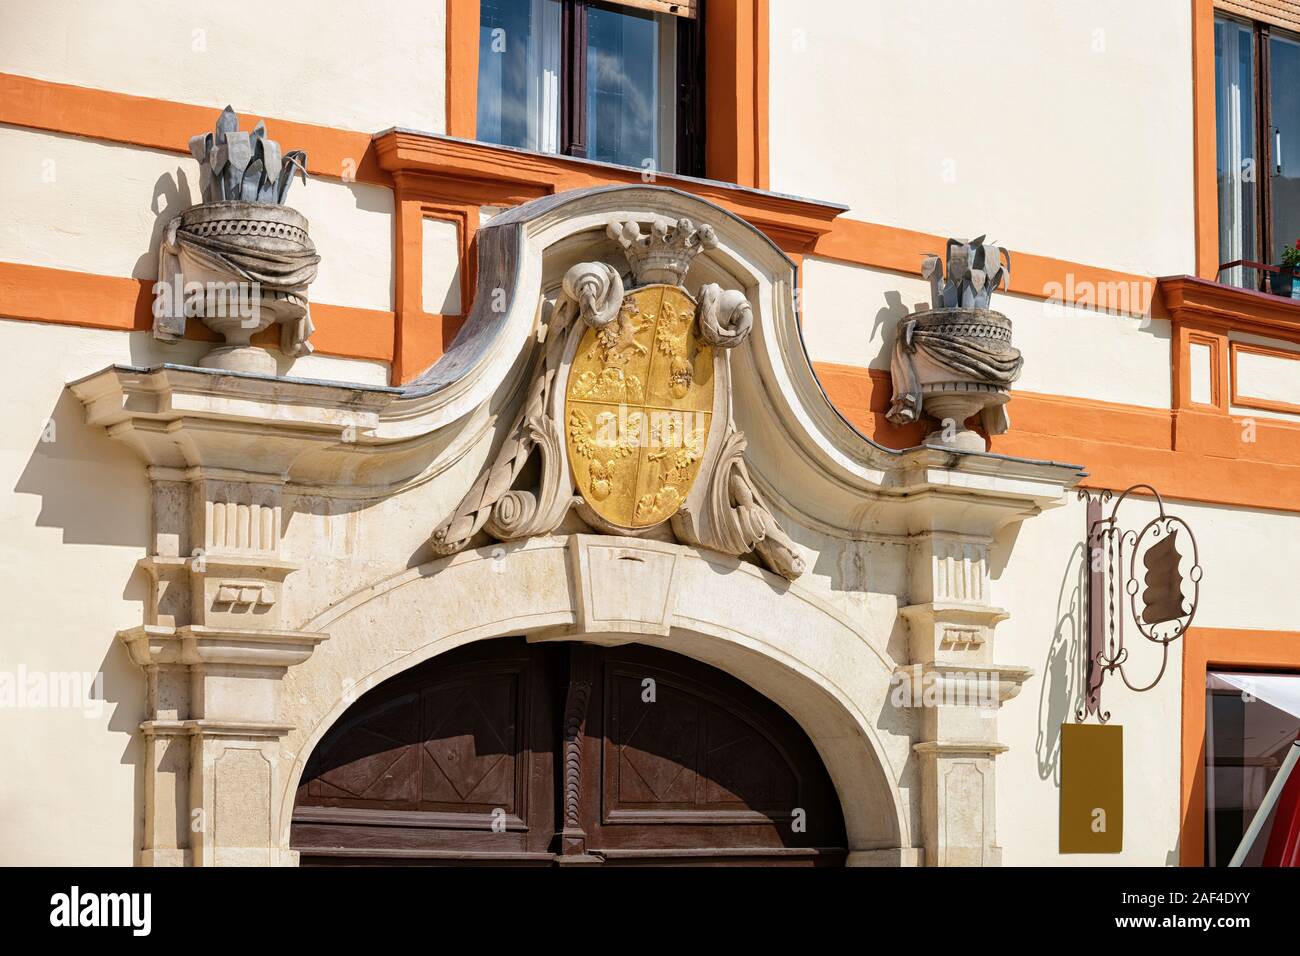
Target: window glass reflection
x=519 y=73
x=1284 y=60
x=623 y=87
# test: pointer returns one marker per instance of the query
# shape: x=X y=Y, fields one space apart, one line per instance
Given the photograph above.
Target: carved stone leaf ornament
x=629 y=412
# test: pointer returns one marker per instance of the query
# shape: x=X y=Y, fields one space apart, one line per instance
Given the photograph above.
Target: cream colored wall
x=330 y=62
x=850 y=313
x=95 y=207
x=1246 y=556
x=1062 y=129
x=74 y=519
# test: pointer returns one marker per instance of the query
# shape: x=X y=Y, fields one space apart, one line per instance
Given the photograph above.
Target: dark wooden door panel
x=451 y=758
x=470 y=747
x=505 y=752
x=693 y=760
x=676 y=750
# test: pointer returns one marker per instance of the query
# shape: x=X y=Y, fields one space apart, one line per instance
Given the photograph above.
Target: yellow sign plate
x=1092 y=788
x=638 y=406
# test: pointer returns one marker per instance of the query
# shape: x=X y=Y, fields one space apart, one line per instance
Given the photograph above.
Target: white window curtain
x=544 y=79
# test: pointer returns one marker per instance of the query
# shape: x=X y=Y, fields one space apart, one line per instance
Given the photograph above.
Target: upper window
x=1257 y=99
x=616 y=82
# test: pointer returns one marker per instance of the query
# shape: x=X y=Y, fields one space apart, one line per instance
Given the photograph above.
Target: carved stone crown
x=666 y=254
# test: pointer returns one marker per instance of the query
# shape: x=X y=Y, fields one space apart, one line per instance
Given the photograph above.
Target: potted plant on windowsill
x=1283 y=281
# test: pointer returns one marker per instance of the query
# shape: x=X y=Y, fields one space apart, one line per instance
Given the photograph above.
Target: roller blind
x=1279 y=13
x=678 y=8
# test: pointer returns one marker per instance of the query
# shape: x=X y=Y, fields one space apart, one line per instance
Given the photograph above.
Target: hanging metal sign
x=1162 y=582
x=1156 y=572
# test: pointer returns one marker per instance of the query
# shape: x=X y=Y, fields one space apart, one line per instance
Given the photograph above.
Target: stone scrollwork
x=629 y=409
x=592 y=292
x=725 y=316
x=738 y=520
x=597 y=288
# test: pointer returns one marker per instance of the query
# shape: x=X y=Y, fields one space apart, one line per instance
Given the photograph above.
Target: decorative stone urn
x=241 y=261
x=956 y=360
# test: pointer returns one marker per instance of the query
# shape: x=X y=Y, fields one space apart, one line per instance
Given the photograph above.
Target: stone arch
x=784 y=641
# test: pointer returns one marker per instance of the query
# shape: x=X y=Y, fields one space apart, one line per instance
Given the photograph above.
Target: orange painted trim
x=476 y=173
x=460 y=172
x=1264 y=404
x=1204 y=146
x=164 y=125
x=1120 y=445
x=349 y=332
x=1206 y=649
x=1205 y=311
x=762 y=102
x=462 y=68
x=1209 y=306
x=64 y=297
x=44 y=294
x=1039 y=277
x=422 y=337
x=1218 y=371
x=736 y=91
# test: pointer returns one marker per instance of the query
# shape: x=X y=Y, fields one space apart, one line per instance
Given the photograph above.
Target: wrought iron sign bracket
x=1166 y=611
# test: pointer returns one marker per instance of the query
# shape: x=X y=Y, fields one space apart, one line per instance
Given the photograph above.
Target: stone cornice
x=197 y=644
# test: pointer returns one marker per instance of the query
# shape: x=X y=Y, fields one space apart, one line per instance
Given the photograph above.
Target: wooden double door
x=505 y=752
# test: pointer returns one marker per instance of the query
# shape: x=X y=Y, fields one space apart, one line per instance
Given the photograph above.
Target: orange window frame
x=735 y=95
x=1206 y=649
x=1249 y=401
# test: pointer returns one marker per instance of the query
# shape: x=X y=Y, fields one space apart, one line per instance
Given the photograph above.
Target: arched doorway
x=505 y=752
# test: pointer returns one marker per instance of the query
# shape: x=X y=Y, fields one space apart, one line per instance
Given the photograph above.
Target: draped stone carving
x=956 y=360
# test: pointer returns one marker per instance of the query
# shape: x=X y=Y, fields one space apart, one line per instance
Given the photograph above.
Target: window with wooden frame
x=620 y=83
x=1257 y=107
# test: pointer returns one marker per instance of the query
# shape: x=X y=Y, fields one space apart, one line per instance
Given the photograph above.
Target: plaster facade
x=314 y=493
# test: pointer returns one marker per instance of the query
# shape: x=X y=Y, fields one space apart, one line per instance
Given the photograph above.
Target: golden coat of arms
x=639 y=403
x=629 y=407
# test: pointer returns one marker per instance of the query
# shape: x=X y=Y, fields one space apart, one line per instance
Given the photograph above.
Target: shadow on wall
x=94 y=490
x=889 y=317
x=863 y=400
x=123 y=687
x=90 y=486
x=1063 y=672
x=171 y=197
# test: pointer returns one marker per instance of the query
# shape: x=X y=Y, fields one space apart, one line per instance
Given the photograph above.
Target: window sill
x=1229 y=307
x=471 y=172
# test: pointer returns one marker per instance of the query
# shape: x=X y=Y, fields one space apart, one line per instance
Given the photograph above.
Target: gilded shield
x=638 y=407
